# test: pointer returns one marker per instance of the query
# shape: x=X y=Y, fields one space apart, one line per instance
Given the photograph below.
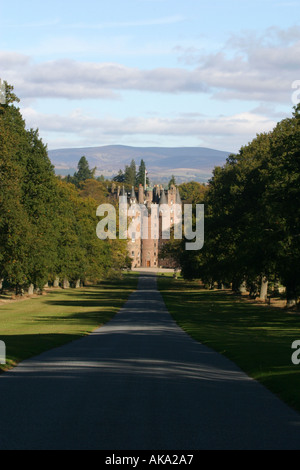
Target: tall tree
x=130 y=174
x=84 y=172
x=253 y=215
x=172 y=182
x=142 y=172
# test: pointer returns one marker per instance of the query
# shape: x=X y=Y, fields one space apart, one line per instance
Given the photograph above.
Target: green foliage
x=193 y=192
x=252 y=214
x=172 y=182
x=47 y=226
x=130 y=174
x=84 y=173
x=140 y=177
x=131 y=177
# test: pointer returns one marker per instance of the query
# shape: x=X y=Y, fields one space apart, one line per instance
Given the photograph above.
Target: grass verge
x=33 y=326
x=257 y=338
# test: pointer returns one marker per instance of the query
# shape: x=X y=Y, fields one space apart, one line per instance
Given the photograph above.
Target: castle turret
x=163 y=198
x=141 y=194
x=178 y=198
x=133 y=199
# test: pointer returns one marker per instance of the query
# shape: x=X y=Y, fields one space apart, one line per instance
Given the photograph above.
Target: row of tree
x=47 y=226
x=252 y=217
x=132 y=176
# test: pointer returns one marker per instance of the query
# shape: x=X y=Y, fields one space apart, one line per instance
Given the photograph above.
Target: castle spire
x=178 y=198
x=133 y=196
x=163 y=198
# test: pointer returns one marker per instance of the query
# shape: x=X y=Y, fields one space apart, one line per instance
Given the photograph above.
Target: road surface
x=140 y=383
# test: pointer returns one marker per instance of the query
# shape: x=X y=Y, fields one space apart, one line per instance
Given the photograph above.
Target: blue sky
x=151 y=72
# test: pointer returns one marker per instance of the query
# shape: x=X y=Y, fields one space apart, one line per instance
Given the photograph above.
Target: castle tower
x=141 y=194
x=149 y=249
x=149 y=197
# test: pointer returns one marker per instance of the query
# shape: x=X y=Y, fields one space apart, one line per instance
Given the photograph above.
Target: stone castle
x=145 y=252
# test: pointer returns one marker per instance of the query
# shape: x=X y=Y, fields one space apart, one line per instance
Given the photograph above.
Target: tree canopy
x=47 y=225
x=252 y=216
x=131 y=176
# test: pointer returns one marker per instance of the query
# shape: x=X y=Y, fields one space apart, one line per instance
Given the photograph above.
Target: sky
x=170 y=73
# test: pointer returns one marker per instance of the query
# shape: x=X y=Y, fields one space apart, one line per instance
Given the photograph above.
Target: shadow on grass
x=46 y=326
x=257 y=338
x=22 y=347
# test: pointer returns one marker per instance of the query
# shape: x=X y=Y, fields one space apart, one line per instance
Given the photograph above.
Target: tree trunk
x=264 y=288
x=56 y=282
x=77 y=284
x=292 y=302
x=291 y=295
x=66 y=283
x=1 y=284
x=243 y=288
x=30 y=289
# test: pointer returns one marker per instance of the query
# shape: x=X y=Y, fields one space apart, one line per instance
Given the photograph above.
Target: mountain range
x=185 y=163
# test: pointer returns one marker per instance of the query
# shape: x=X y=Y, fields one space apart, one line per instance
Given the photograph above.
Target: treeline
x=252 y=218
x=133 y=176
x=47 y=226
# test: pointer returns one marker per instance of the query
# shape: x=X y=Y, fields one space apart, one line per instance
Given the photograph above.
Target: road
x=140 y=383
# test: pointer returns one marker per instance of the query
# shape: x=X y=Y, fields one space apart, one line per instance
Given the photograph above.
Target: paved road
x=140 y=383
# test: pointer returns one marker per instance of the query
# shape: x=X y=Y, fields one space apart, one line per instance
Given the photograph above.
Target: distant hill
x=185 y=163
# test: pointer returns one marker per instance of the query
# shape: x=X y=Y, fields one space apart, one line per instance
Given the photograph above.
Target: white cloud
x=232 y=130
x=250 y=67
x=80 y=80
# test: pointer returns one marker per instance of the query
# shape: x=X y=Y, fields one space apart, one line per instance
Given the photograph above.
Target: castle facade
x=148 y=225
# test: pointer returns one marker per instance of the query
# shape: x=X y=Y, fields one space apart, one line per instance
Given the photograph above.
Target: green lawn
x=35 y=325
x=257 y=338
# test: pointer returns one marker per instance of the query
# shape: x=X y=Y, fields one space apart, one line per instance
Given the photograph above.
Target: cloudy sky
x=209 y=73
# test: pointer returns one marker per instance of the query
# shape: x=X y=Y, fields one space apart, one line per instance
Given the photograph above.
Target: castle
x=145 y=250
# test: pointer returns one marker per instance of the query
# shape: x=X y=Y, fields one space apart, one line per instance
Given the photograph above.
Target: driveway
x=140 y=383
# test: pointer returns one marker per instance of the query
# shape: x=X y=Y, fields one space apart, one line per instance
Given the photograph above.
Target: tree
x=27 y=180
x=47 y=226
x=84 y=172
x=252 y=215
x=130 y=174
x=142 y=172
x=172 y=182
x=120 y=178
x=193 y=192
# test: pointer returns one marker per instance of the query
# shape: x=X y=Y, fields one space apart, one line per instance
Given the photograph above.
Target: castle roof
x=133 y=195
x=178 y=198
x=163 y=198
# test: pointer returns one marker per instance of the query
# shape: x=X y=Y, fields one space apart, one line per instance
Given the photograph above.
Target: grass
x=257 y=338
x=33 y=326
